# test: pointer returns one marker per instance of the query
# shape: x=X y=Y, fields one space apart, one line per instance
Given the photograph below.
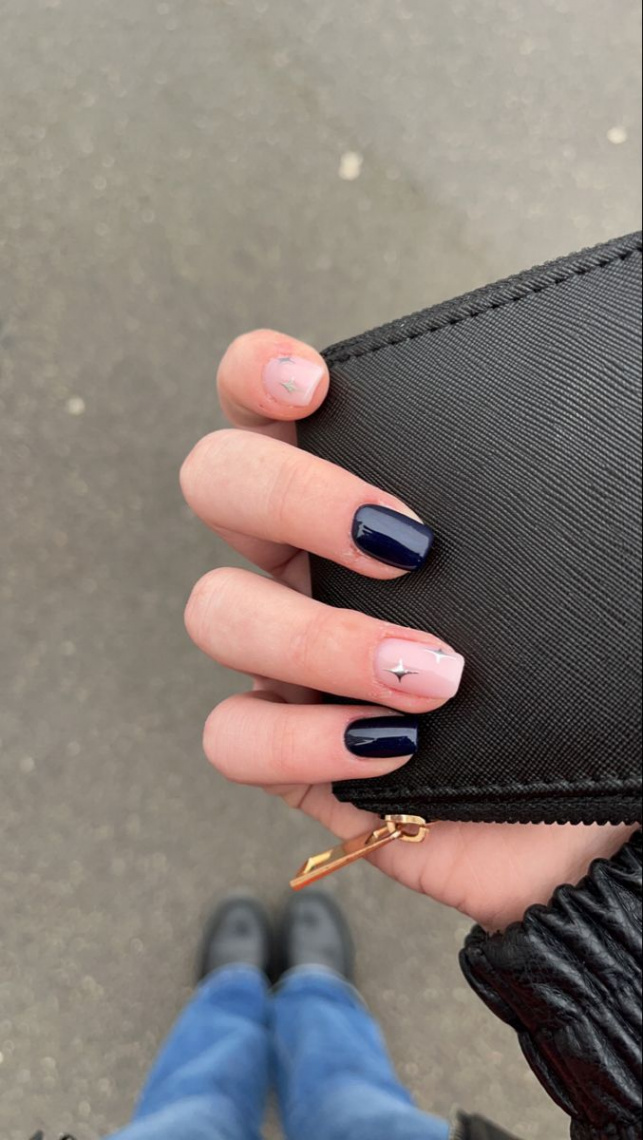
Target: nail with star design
x=292 y=380
x=418 y=669
x=383 y=737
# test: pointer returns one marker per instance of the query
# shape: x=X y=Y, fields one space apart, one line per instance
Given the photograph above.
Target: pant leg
x=334 y=1077
x=212 y=1077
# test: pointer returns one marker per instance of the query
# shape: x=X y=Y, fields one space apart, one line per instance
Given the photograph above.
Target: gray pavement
x=172 y=173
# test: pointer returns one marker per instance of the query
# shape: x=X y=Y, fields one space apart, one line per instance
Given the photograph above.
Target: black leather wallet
x=509 y=419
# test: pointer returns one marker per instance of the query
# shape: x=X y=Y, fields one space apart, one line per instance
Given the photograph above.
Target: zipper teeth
x=457 y=1130
x=431 y=817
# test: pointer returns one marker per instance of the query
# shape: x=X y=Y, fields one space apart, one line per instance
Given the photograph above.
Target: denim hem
x=323 y=974
x=234 y=970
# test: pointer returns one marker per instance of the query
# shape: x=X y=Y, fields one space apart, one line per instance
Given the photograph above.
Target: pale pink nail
x=418 y=669
x=292 y=380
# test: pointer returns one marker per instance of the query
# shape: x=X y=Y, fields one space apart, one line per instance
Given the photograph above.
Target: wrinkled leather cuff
x=568 y=979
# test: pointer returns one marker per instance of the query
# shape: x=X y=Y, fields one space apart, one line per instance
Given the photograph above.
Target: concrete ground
x=172 y=173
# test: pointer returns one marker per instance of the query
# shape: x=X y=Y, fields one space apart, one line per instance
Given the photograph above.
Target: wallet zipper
x=403 y=828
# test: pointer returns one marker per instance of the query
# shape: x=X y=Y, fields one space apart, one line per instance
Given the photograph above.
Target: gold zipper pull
x=408 y=828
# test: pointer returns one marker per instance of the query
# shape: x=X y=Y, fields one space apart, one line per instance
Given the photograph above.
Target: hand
x=275 y=505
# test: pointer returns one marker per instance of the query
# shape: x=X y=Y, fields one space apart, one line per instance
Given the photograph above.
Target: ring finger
x=258 y=626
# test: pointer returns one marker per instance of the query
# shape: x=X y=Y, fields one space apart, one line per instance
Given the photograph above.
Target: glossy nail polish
x=383 y=737
x=420 y=669
x=391 y=537
x=292 y=380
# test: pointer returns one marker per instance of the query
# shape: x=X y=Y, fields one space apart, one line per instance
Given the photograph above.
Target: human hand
x=275 y=504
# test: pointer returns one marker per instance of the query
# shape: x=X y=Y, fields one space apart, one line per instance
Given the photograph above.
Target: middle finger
x=288 y=500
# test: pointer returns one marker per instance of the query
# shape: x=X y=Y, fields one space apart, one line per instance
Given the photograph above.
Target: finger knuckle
x=209 y=454
x=288 y=483
x=238 y=346
x=210 y=597
x=225 y=761
x=221 y=739
x=240 y=350
x=211 y=736
x=285 y=748
x=315 y=644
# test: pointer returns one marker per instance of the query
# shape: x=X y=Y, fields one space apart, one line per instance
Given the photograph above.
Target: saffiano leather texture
x=509 y=419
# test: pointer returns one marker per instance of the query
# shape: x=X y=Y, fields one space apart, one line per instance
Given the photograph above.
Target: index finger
x=266 y=376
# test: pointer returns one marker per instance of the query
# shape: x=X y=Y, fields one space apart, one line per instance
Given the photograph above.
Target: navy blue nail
x=391 y=537
x=383 y=737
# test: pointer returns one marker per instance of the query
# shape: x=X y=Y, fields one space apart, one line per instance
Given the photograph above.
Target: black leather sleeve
x=568 y=979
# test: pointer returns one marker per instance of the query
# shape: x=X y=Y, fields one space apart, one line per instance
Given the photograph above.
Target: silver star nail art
x=290 y=385
x=440 y=654
x=286 y=359
x=400 y=671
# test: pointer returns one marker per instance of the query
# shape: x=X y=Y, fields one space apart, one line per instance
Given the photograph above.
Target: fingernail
x=418 y=669
x=392 y=537
x=383 y=737
x=292 y=380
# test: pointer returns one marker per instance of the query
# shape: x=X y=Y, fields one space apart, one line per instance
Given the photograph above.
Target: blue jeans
x=313 y=1037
